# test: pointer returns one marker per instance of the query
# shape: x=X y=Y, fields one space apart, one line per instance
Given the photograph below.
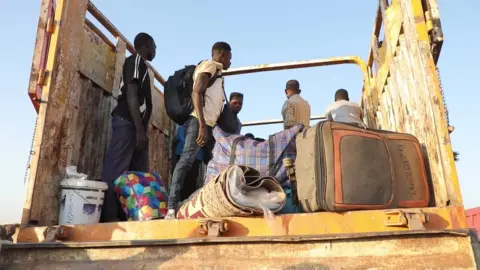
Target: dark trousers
x=194 y=179
x=187 y=159
x=122 y=155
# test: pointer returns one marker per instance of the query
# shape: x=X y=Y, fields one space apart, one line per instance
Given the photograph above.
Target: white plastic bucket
x=81 y=201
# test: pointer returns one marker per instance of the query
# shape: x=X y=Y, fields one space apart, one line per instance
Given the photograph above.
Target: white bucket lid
x=87 y=184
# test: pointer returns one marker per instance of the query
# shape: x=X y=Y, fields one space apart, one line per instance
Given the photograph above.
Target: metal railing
x=275 y=121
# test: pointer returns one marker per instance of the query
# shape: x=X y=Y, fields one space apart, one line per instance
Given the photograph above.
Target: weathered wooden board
x=98 y=60
x=91 y=128
x=57 y=143
x=408 y=95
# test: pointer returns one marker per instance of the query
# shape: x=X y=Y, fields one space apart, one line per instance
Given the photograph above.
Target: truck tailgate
x=393 y=250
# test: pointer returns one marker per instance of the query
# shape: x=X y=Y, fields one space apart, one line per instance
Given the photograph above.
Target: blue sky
x=259 y=32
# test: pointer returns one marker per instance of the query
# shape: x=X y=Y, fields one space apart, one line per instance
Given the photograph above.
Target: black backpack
x=178 y=94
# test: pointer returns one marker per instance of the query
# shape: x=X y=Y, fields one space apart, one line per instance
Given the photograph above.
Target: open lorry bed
x=447 y=249
x=74 y=84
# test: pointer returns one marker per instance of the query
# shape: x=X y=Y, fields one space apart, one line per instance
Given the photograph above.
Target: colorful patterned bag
x=265 y=157
x=142 y=195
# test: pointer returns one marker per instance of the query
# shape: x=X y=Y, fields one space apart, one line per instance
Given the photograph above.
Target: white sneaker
x=170 y=214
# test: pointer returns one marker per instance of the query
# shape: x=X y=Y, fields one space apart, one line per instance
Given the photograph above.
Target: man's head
x=222 y=53
x=341 y=94
x=236 y=101
x=145 y=46
x=250 y=135
x=292 y=88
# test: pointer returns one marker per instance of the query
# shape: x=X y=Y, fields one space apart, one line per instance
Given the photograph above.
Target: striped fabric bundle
x=214 y=200
x=265 y=157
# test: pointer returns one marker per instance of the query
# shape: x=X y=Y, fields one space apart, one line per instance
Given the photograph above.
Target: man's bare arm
x=198 y=95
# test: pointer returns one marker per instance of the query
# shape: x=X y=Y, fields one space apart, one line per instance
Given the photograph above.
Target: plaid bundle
x=265 y=157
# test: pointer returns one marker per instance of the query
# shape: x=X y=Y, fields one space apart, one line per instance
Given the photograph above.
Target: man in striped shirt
x=128 y=148
x=296 y=110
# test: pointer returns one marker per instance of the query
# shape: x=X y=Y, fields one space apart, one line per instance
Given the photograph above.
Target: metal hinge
x=50 y=27
x=413 y=219
x=42 y=77
x=7 y=232
x=214 y=228
x=54 y=233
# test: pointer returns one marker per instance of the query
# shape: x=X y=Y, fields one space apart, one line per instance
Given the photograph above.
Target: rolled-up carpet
x=248 y=196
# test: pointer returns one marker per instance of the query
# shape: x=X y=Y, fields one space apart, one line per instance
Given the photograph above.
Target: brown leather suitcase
x=341 y=167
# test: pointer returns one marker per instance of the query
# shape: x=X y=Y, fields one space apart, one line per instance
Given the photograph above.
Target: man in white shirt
x=295 y=110
x=208 y=98
x=344 y=110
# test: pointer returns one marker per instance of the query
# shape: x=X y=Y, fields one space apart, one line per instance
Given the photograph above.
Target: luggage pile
x=338 y=167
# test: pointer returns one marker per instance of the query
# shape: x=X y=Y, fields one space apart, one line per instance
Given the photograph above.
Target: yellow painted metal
x=422 y=33
x=323 y=223
x=405 y=250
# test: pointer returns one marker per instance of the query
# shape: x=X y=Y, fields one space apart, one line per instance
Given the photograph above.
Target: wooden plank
x=118 y=66
x=32 y=88
x=120 y=51
x=91 y=129
x=58 y=138
x=158 y=111
x=430 y=131
x=37 y=52
x=393 y=30
x=97 y=61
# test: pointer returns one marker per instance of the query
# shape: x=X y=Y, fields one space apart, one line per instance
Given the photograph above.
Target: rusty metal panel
x=97 y=61
x=432 y=250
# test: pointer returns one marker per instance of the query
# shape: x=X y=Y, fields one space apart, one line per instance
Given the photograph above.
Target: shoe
x=170 y=214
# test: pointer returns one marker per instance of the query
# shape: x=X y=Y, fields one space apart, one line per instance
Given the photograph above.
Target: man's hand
x=141 y=137
x=202 y=134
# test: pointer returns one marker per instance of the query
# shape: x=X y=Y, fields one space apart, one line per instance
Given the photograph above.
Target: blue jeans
x=185 y=163
x=122 y=155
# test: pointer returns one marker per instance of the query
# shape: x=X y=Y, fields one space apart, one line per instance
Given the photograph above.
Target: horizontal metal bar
x=297 y=64
x=275 y=121
x=116 y=33
x=241 y=240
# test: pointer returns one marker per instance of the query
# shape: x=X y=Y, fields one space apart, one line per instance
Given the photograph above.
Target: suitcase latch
x=214 y=228
x=413 y=219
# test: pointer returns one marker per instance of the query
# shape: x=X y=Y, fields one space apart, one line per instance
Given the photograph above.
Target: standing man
x=128 y=148
x=207 y=104
x=296 y=110
x=196 y=175
x=344 y=110
x=236 y=103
